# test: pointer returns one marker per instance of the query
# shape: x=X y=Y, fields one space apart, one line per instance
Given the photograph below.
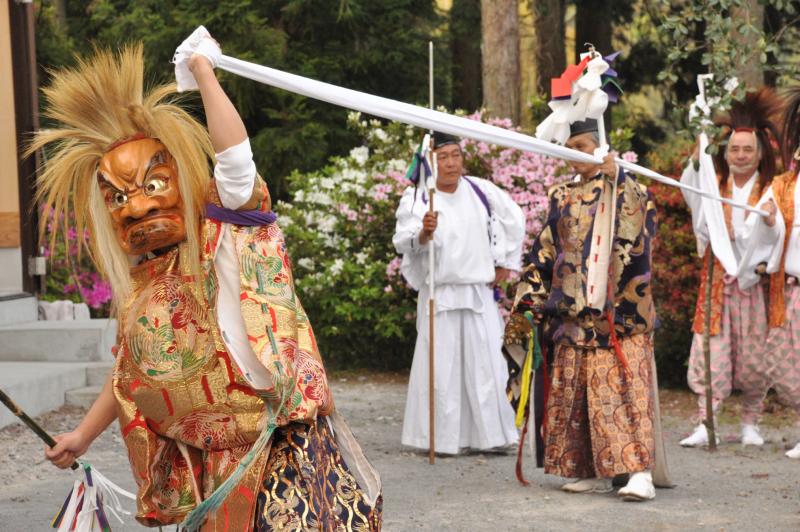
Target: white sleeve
x=414 y=266
x=759 y=243
x=229 y=315
x=409 y=223
x=235 y=173
x=507 y=227
x=708 y=218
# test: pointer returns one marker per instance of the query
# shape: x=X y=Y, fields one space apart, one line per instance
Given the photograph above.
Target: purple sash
x=475 y=188
x=246 y=218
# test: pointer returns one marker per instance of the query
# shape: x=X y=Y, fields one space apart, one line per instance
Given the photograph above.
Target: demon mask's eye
x=154 y=185
x=118 y=199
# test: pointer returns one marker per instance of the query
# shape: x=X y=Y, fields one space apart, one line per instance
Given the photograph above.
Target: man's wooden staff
x=431 y=285
x=709 y=421
x=431 y=328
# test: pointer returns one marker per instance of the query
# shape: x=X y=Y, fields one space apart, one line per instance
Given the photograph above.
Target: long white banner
x=423 y=117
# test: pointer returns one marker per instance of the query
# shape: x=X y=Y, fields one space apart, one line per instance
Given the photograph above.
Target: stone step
x=83 y=397
x=97 y=373
x=18 y=308
x=58 y=341
x=38 y=387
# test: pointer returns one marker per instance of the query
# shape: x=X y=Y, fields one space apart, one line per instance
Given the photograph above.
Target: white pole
x=655 y=176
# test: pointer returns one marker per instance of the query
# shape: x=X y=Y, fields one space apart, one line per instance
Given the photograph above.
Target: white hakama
x=471 y=407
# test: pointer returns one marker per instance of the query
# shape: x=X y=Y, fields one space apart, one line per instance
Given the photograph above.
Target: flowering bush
x=676 y=267
x=71 y=275
x=339 y=229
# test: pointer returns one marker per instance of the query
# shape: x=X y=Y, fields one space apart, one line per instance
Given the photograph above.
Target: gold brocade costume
x=555 y=271
x=187 y=413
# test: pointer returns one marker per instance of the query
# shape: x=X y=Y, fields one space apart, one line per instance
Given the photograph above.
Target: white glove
x=199 y=42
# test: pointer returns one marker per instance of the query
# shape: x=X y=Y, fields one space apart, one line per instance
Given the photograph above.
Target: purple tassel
x=60 y=516
x=101 y=515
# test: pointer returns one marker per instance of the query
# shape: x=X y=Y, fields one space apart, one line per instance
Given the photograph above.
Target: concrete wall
x=10 y=270
x=10 y=250
x=38 y=387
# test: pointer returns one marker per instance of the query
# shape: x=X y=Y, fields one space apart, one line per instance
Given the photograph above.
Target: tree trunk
x=593 y=25
x=751 y=72
x=465 y=24
x=500 y=53
x=61 y=14
x=551 y=58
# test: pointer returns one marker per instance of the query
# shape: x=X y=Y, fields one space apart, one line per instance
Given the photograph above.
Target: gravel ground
x=733 y=489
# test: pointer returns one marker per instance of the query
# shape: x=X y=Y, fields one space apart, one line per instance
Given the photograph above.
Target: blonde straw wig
x=96 y=104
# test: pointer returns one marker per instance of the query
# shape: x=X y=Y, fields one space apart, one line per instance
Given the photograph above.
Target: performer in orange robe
x=745 y=167
x=783 y=342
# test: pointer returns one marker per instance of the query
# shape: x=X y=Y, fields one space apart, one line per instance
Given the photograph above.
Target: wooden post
x=26 y=112
x=431 y=285
x=709 y=421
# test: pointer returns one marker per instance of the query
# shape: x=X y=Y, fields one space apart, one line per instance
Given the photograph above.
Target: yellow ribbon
x=526 y=381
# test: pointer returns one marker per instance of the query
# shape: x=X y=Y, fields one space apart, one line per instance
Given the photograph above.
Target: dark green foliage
x=377 y=46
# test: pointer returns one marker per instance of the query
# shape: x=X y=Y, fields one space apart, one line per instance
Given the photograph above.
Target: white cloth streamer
x=199 y=42
x=399 y=111
x=708 y=218
x=368 y=103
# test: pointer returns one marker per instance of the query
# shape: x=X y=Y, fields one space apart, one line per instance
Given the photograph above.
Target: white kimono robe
x=470 y=372
x=752 y=243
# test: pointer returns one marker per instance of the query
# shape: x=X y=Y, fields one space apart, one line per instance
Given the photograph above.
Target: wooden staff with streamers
x=709 y=395
x=431 y=185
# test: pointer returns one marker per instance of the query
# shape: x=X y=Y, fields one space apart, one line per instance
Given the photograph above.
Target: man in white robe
x=477 y=232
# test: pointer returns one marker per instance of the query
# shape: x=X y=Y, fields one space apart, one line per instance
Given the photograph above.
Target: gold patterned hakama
x=599 y=416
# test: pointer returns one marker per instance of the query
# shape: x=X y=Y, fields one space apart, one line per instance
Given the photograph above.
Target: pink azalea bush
x=71 y=275
x=525 y=176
